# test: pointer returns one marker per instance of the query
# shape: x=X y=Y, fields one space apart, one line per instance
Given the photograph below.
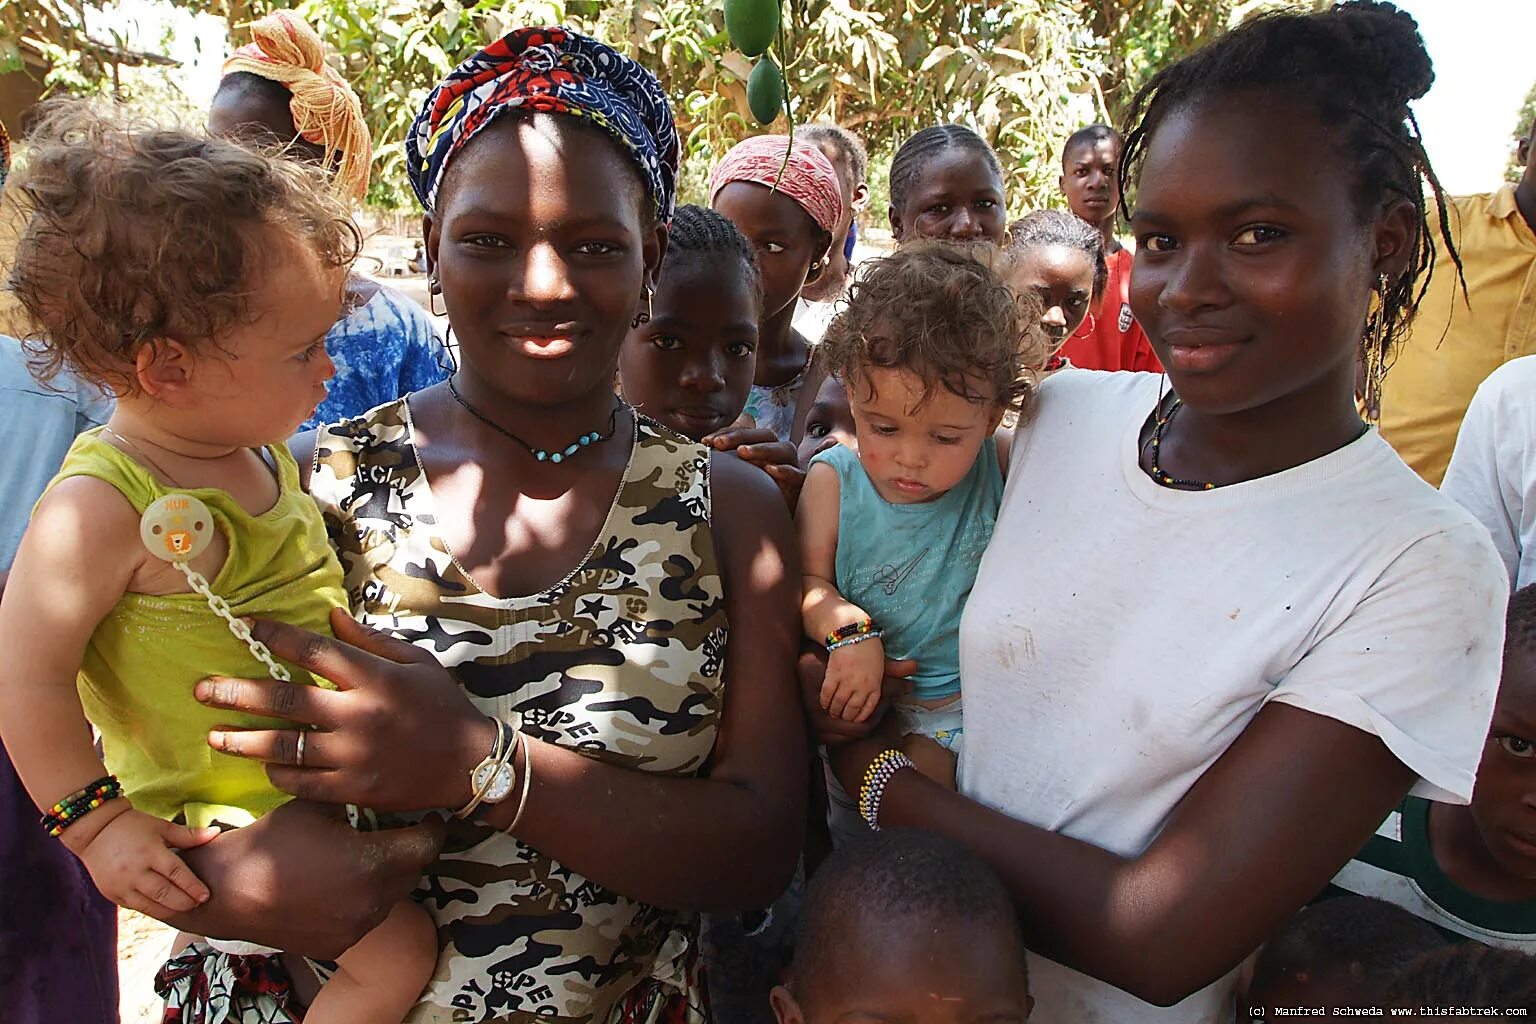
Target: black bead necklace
x=1155 y=469
x=586 y=440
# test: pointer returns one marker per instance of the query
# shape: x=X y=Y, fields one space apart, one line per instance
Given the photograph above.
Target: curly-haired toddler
x=195 y=281
x=933 y=349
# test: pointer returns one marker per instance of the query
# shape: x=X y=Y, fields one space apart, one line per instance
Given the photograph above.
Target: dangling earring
x=1373 y=356
x=434 y=289
x=643 y=317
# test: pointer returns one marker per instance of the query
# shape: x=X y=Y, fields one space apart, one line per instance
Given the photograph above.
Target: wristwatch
x=493 y=779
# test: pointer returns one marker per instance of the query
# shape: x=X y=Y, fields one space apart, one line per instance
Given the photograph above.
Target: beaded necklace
x=584 y=441
x=1155 y=469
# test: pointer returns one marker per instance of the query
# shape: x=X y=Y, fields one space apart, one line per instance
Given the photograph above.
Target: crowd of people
x=1026 y=623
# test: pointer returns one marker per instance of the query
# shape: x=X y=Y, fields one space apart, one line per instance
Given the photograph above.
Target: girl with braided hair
x=691 y=364
x=1467 y=975
x=945 y=182
x=1220 y=629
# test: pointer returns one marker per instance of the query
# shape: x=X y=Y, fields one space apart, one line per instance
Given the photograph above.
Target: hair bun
x=1387 y=48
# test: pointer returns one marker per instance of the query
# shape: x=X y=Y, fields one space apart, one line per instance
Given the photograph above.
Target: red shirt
x=1111 y=339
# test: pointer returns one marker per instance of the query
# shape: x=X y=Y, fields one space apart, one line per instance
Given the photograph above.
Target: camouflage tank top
x=621 y=660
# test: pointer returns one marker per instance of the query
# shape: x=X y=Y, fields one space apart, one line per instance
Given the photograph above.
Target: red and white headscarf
x=808 y=178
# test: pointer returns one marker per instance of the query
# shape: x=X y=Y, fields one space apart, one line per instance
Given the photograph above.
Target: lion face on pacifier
x=177 y=528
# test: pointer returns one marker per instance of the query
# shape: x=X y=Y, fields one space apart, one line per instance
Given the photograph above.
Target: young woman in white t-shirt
x=1221 y=630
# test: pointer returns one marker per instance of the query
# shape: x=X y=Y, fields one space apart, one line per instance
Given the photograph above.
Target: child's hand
x=851 y=689
x=132 y=861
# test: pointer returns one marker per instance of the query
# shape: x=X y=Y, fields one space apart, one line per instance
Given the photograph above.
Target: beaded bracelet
x=79 y=803
x=851 y=640
x=861 y=628
x=886 y=764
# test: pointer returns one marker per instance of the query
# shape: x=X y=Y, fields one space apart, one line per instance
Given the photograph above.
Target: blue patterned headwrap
x=548 y=70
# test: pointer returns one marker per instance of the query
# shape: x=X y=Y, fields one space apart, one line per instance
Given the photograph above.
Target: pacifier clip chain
x=176 y=529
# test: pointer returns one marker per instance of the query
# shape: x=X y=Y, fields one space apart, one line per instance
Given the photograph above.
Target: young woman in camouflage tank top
x=583 y=600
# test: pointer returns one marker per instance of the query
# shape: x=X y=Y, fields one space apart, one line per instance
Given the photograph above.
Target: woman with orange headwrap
x=279 y=89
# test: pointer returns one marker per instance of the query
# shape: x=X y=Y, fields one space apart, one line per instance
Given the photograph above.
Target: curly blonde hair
x=943 y=312
x=135 y=233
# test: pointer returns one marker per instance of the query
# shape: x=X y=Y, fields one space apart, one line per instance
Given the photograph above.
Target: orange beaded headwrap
x=325 y=110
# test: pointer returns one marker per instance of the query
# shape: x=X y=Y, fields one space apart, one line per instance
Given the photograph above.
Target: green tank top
x=146 y=656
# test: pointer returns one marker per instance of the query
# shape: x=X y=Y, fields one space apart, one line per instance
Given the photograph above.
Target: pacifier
x=177 y=528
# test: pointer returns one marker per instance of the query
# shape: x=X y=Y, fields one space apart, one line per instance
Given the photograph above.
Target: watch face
x=501 y=779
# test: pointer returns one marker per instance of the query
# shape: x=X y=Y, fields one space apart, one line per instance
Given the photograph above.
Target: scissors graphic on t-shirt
x=891 y=577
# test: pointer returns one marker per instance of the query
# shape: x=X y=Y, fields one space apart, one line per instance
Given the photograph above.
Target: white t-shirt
x=1493 y=469
x=1121 y=635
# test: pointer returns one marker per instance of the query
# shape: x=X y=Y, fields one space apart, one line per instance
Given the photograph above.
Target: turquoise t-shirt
x=911 y=567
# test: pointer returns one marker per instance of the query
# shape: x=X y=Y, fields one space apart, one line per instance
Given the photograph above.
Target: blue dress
x=386 y=349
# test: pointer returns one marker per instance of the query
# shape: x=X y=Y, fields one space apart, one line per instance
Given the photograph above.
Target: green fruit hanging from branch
x=765 y=91
x=752 y=24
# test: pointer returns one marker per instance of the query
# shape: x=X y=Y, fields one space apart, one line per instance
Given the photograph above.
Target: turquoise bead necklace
x=586 y=440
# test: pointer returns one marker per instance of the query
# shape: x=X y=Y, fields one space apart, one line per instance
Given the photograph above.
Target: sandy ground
x=142 y=946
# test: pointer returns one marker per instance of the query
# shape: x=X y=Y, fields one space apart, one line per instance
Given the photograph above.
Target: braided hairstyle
x=910 y=159
x=698 y=231
x=1358 y=65
x=1468 y=974
x=1058 y=227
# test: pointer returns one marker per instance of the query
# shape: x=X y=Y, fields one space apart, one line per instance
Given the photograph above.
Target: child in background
x=202 y=301
x=1090 y=179
x=932 y=353
x=1470 y=870
x=829 y=421
x=789 y=218
x=1467 y=976
x=848 y=157
x=906 y=926
x=690 y=365
x=1060 y=259
x=1341 y=952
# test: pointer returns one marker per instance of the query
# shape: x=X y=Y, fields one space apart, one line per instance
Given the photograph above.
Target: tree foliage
x=1024 y=73
x=1523 y=122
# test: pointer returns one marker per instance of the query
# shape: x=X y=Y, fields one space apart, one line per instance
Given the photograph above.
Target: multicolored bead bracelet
x=864 y=627
x=851 y=640
x=80 y=803
x=886 y=764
